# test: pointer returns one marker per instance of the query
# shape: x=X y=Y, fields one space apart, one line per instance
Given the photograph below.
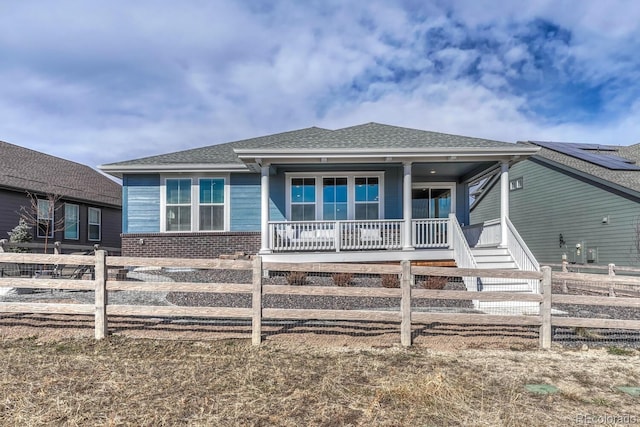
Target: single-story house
x=580 y=201
x=365 y=193
x=87 y=205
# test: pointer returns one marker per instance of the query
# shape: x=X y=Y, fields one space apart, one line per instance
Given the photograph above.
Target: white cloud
x=105 y=81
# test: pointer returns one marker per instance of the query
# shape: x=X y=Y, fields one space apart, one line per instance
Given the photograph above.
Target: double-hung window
x=334 y=198
x=194 y=204
x=71 y=221
x=211 y=201
x=303 y=199
x=95 y=224
x=178 y=205
x=45 y=218
x=367 y=203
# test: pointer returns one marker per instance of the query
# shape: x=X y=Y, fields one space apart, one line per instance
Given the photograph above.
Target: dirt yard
x=123 y=381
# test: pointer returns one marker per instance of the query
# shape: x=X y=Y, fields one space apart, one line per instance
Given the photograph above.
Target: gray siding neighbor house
x=88 y=209
x=577 y=200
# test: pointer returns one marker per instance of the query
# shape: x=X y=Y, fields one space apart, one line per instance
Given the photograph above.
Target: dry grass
x=122 y=381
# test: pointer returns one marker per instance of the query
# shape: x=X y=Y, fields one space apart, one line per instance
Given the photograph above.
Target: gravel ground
x=298 y=301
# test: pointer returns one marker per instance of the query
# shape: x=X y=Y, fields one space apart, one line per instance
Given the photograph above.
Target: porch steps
x=500 y=258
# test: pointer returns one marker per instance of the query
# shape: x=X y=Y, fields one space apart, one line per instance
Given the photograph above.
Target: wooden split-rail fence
x=100 y=282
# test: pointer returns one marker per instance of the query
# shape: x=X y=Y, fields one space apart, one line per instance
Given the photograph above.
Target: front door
x=431 y=201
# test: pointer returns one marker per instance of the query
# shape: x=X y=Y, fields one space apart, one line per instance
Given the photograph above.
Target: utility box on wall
x=579 y=253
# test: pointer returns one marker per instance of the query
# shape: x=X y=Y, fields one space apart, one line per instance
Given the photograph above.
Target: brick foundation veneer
x=189 y=245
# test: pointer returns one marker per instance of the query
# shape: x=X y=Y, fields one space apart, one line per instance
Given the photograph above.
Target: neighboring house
x=89 y=208
x=577 y=200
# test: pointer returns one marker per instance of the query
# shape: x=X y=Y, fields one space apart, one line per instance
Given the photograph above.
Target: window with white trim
x=367 y=203
x=334 y=198
x=71 y=221
x=516 y=184
x=95 y=224
x=196 y=203
x=178 y=204
x=45 y=219
x=344 y=196
x=211 y=201
x=303 y=199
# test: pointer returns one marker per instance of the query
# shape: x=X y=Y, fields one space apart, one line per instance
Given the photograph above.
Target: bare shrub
x=297 y=278
x=434 y=282
x=390 y=281
x=342 y=279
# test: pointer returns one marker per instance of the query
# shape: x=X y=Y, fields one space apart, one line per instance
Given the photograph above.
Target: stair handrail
x=462 y=254
x=521 y=254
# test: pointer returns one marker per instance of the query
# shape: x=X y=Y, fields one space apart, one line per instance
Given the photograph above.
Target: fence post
x=612 y=272
x=256 y=302
x=101 y=295
x=545 y=309
x=565 y=269
x=405 y=304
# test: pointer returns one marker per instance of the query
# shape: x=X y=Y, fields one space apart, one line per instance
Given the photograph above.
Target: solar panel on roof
x=593 y=153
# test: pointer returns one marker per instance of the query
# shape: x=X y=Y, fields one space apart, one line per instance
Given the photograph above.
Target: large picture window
x=71 y=221
x=351 y=195
x=194 y=204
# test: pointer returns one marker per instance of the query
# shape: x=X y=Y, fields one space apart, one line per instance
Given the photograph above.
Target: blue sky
x=104 y=81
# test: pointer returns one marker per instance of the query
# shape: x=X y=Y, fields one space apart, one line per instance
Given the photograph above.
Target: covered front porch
x=374 y=193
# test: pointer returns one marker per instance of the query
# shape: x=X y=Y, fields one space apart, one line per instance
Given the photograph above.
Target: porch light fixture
x=432 y=172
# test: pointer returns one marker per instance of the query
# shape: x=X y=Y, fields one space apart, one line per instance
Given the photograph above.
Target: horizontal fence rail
x=98 y=281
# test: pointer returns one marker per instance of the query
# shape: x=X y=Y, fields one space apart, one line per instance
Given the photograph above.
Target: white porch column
x=264 y=209
x=406 y=207
x=504 y=202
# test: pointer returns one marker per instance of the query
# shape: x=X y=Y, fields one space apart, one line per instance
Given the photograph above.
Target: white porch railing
x=483 y=234
x=304 y=236
x=374 y=234
x=462 y=253
x=430 y=233
x=300 y=236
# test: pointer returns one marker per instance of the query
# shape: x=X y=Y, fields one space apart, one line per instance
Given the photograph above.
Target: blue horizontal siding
x=246 y=199
x=245 y=202
x=141 y=204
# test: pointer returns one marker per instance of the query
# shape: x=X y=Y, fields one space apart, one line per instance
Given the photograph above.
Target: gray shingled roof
x=222 y=153
x=376 y=135
x=366 y=136
x=627 y=179
x=29 y=170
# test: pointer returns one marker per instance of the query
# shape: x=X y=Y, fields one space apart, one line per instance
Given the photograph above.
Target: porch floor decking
x=360 y=256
